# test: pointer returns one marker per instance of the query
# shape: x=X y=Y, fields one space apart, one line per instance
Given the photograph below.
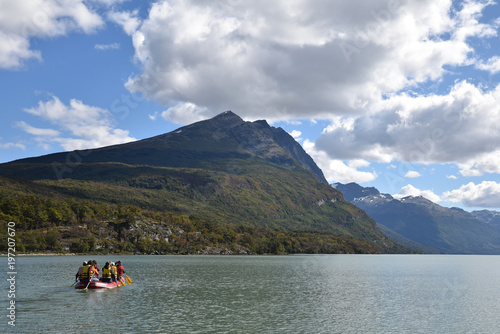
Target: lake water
x=261 y=294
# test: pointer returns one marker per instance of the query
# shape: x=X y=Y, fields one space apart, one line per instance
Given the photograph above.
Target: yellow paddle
x=128 y=279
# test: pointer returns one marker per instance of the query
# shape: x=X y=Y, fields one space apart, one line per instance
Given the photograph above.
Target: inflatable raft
x=99 y=285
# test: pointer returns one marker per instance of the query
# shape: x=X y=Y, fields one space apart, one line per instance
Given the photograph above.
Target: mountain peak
x=227 y=118
x=353 y=190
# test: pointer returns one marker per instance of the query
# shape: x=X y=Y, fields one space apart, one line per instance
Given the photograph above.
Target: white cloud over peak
x=486 y=195
x=22 y=20
x=353 y=65
x=410 y=190
x=296 y=59
x=184 y=113
x=87 y=126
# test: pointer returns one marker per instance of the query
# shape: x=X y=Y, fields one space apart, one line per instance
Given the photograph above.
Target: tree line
x=64 y=225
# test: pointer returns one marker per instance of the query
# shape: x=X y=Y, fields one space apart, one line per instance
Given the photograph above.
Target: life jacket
x=114 y=270
x=106 y=272
x=86 y=271
x=120 y=270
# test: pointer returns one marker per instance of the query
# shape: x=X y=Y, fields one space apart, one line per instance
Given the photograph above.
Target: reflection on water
x=264 y=294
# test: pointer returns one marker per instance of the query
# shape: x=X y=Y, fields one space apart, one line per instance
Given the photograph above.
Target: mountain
x=224 y=171
x=416 y=220
x=220 y=142
x=488 y=216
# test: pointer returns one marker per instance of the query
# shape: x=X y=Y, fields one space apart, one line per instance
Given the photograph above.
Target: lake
x=261 y=294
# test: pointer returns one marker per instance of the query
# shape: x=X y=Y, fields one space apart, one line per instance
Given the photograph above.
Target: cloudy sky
x=403 y=95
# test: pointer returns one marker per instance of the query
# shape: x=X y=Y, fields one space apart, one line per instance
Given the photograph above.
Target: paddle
x=73 y=283
x=119 y=283
x=90 y=280
x=128 y=279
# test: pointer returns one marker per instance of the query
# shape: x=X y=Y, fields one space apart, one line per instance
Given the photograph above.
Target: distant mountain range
x=223 y=170
x=488 y=216
x=418 y=222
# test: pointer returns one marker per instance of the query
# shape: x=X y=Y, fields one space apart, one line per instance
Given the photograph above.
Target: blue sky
x=402 y=95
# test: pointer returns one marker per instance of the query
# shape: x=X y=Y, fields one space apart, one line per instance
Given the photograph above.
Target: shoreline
x=43 y=254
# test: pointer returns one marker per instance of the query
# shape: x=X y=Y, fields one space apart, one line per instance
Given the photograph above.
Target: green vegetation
x=49 y=218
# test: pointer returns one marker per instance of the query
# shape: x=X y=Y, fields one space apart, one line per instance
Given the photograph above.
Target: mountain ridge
x=446 y=230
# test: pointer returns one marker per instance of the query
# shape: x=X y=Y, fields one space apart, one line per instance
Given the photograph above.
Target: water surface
x=262 y=294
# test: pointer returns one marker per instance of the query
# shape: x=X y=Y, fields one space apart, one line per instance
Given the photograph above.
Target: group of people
x=90 y=271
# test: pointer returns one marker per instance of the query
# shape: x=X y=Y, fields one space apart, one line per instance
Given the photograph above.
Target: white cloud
x=337 y=170
x=451 y=177
x=22 y=20
x=289 y=59
x=88 y=126
x=486 y=195
x=492 y=65
x=296 y=134
x=129 y=21
x=410 y=190
x=185 y=113
x=112 y=46
x=411 y=174
x=154 y=116
x=11 y=145
x=108 y=2
x=37 y=131
x=485 y=162
x=461 y=127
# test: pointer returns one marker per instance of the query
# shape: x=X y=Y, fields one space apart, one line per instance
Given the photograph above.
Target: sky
x=402 y=95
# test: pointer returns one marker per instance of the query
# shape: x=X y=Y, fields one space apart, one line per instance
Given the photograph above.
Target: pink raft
x=99 y=285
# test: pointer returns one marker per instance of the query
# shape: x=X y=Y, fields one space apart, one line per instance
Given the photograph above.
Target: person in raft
x=114 y=271
x=95 y=270
x=95 y=265
x=119 y=269
x=79 y=274
x=89 y=272
x=108 y=275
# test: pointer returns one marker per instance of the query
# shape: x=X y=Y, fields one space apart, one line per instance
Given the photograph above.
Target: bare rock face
x=257 y=138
